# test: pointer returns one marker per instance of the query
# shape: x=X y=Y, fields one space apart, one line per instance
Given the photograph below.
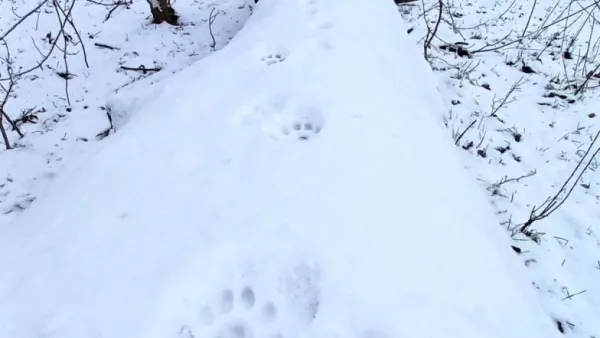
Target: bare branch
x=23 y=18
x=211 y=19
x=551 y=204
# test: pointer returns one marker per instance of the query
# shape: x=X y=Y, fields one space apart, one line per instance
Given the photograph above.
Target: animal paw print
x=302 y=130
x=304 y=127
x=239 y=314
x=317 y=18
x=273 y=59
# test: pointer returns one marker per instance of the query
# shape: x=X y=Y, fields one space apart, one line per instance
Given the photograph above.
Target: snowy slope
x=277 y=188
x=527 y=110
x=112 y=36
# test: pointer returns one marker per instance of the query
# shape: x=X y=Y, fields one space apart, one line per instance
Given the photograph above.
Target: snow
x=298 y=182
x=537 y=132
x=60 y=132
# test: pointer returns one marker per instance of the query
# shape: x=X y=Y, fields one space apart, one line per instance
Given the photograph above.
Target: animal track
x=302 y=130
x=277 y=301
x=226 y=301
x=248 y=298
x=273 y=59
x=325 y=25
x=239 y=314
x=304 y=126
x=282 y=117
x=319 y=21
x=312 y=11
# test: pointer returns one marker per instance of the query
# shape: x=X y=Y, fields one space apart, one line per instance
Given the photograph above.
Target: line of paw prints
x=236 y=315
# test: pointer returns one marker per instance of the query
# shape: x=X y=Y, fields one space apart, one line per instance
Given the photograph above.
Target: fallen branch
x=142 y=69
x=101 y=45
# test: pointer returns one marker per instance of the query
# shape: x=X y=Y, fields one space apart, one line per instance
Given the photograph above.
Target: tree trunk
x=3 y=131
x=162 y=12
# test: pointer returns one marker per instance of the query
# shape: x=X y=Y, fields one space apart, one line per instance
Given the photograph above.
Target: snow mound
x=275 y=189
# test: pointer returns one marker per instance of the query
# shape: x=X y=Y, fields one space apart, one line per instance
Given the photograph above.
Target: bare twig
x=581 y=88
x=505 y=179
x=551 y=204
x=529 y=19
x=569 y=296
x=67 y=75
x=532 y=34
x=497 y=104
x=428 y=31
x=456 y=142
x=23 y=18
x=7 y=92
x=72 y=23
x=211 y=19
x=437 y=25
x=52 y=47
x=115 y=6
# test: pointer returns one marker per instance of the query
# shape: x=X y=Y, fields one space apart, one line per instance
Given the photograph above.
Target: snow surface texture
x=523 y=150
x=278 y=188
x=58 y=132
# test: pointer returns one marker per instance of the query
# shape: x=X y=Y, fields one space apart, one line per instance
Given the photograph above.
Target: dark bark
x=164 y=13
x=4 y=134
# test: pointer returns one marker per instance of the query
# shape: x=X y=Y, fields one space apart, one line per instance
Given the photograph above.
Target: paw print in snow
x=273 y=59
x=239 y=314
x=305 y=126
x=303 y=130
